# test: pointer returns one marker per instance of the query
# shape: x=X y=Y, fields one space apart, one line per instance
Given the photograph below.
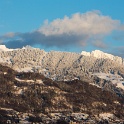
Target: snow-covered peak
x=85 y=53
x=100 y=54
x=4 y=48
x=29 y=47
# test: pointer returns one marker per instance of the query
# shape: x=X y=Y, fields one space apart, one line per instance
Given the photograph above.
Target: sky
x=64 y=25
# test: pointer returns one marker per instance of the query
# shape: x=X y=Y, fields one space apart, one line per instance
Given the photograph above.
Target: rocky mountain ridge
x=95 y=53
x=99 y=54
x=66 y=66
x=28 y=53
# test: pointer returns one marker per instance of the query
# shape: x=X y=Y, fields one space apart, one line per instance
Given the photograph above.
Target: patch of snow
x=106 y=116
x=104 y=104
x=4 y=48
x=66 y=79
x=99 y=54
x=116 y=102
x=7 y=109
x=28 y=47
x=29 y=81
x=26 y=69
x=75 y=78
x=120 y=85
x=94 y=85
x=39 y=81
x=24 y=80
x=114 y=78
x=80 y=116
x=85 y=53
x=15 y=87
x=20 y=91
x=5 y=73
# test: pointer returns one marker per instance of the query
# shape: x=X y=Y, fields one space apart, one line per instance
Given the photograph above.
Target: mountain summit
x=95 y=53
x=4 y=48
x=101 y=55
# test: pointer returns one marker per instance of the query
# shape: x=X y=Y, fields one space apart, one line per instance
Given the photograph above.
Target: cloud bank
x=90 y=23
x=77 y=30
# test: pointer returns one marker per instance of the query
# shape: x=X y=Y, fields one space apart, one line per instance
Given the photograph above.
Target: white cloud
x=89 y=23
x=79 y=30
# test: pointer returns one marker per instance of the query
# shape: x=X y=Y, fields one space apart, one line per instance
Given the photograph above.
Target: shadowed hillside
x=32 y=97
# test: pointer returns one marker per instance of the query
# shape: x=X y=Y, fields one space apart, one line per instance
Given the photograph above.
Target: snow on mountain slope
x=114 y=78
x=106 y=116
x=100 y=54
x=61 y=65
x=96 y=53
x=85 y=53
x=4 y=48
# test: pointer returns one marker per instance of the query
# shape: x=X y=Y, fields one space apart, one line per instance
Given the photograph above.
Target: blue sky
x=66 y=25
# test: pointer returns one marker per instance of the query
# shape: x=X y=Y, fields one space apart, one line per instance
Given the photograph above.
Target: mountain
x=99 y=54
x=40 y=86
x=30 y=97
x=4 y=48
x=103 y=69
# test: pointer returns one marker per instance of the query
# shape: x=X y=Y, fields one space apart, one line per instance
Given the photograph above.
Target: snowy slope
x=99 y=54
x=4 y=48
x=62 y=65
x=114 y=78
